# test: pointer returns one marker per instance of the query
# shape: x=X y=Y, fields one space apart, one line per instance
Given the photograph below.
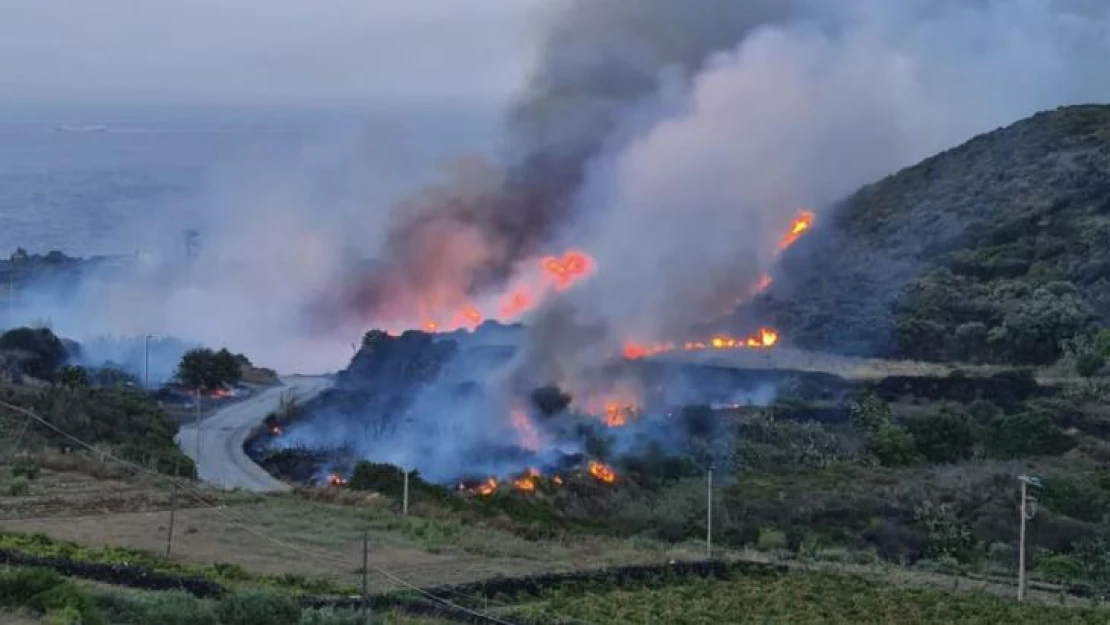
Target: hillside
x=994 y=251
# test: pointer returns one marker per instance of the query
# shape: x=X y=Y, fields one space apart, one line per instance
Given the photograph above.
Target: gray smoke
x=683 y=209
x=598 y=64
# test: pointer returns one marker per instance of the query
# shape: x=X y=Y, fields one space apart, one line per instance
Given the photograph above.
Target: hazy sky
x=261 y=51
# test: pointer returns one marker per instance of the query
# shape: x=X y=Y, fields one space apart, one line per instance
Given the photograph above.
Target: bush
x=175 y=608
x=25 y=466
x=771 y=539
x=332 y=616
x=942 y=438
x=1027 y=434
x=46 y=592
x=18 y=487
x=16 y=585
x=1088 y=364
x=257 y=607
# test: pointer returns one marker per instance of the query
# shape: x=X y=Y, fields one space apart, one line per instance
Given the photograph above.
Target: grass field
x=296 y=534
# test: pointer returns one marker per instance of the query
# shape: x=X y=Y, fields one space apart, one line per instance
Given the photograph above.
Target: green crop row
x=791 y=598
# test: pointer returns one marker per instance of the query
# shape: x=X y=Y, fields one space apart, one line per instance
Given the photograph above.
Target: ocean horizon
x=95 y=181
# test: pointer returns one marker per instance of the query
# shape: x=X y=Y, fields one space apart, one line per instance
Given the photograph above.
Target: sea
x=79 y=180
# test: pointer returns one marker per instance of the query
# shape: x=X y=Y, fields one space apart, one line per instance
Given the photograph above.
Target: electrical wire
x=198 y=494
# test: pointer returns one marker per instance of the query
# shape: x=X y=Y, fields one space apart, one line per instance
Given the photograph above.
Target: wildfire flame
x=556 y=480
x=802 y=222
x=615 y=408
x=764 y=339
x=527 y=482
x=541 y=276
x=275 y=430
x=336 y=480
x=564 y=271
x=487 y=488
x=602 y=472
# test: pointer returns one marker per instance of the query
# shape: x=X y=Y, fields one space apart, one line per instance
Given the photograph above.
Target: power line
x=242 y=524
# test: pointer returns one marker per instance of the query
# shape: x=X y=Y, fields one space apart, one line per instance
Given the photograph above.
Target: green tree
x=70 y=375
x=208 y=370
x=889 y=443
x=43 y=351
x=229 y=366
x=943 y=437
x=1089 y=363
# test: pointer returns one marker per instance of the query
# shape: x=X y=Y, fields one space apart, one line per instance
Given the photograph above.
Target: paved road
x=223 y=462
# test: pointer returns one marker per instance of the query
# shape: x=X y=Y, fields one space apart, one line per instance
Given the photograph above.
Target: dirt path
x=222 y=461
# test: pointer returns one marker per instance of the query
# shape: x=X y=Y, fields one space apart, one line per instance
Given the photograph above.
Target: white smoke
x=800 y=114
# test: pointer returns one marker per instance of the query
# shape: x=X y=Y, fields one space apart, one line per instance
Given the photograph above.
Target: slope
x=995 y=251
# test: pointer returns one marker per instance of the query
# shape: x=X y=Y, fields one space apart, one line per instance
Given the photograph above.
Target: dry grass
x=847 y=367
x=302 y=534
x=19 y=617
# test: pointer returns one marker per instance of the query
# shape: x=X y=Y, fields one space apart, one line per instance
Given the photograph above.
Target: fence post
x=365 y=572
x=173 y=513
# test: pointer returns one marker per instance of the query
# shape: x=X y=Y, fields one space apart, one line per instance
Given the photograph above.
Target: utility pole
x=198 y=433
x=173 y=513
x=405 y=467
x=1026 y=509
x=146 y=363
x=365 y=571
x=709 y=513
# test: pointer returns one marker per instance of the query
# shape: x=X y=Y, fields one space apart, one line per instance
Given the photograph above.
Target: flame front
x=766 y=338
x=488 y=487
x=334 y=479
x=802 y=222
x=603 y=472
x=568 y=269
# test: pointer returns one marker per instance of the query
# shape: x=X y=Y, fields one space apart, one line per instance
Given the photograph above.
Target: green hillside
x=994 y=251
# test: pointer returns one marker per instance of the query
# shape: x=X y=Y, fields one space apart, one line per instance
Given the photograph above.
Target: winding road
x=222 y=461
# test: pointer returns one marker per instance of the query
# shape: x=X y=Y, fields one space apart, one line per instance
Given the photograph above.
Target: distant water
x=74 y=181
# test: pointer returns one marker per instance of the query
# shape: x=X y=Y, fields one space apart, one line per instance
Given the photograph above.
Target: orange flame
x=556 y=480
x=336 y=480
x=275 y=430
x=566 y=270
x=764 y=339
x=527 y=482
x=764 y=283
x=602 y=472
x=615 y=408
x=802 y=222
x=488 y=487
x=515 y=304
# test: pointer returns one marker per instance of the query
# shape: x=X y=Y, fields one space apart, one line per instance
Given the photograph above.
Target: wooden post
x=173 y=513
x=365 y=571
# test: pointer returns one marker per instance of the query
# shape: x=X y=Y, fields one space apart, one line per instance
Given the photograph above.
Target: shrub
x=46 y=592
x=1088 y=364
x=175 y=608
x=332 y=616
x=26 y=466
x=257 y=607
x=66 y=616
x=771 y=539
x=1027 y=434
x=18 y=487
x=942 y=438
x=16 y=585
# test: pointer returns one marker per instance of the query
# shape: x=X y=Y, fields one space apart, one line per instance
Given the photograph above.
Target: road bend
x=223 y=462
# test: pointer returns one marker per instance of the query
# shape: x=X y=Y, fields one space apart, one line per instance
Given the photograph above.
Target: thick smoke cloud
x=598 y=62
x=684 y=214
